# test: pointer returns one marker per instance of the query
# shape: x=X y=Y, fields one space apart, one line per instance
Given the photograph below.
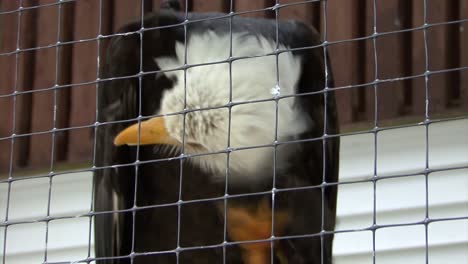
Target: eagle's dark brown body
x=152 y=227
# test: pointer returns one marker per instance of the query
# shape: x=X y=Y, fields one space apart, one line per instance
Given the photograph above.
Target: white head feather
x=207 y=86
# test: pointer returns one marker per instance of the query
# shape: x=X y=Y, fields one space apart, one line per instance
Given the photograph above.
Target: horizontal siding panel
x=448 y=147
x=28 y=199
x=398 y=201
x=389 y=241
x=17 y=245
x=404 y=215
x=62 y=234
x=437 y=255
x=359 y=150
x=73 y=189
x=68 y=234
x=68 y=189
x=403 y=151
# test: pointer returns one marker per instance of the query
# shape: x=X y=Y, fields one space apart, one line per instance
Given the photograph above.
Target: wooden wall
x=32 y=63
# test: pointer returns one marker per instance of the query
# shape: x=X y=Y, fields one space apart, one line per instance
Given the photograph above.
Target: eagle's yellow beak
x=152 y=131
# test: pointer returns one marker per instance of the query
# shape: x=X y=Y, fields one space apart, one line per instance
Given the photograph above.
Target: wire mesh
x=275 y=7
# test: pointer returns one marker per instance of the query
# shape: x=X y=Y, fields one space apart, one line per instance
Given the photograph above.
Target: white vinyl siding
x=399 y=200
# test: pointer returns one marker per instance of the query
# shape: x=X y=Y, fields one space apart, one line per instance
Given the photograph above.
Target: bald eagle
x=214 y=144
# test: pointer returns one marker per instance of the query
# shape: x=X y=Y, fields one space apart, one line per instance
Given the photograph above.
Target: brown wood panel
x=438 y=48
x=463 y=53
x=390 y=56
x=453 y=59
x=366 y=96
x=106 y=28
x=5 y=6
x=49 y=31
x=406 y=22
x=64 y=77
x=84 y=69
x=249 y=5
x=309 y=13
x=463 y=5
x=157 y=4
x=417 y=104
x=44 y=77
x=124 y=12
x=7 y=81
x=26 y=69
x=346 y=58
x=364 y=110
x=210 y=6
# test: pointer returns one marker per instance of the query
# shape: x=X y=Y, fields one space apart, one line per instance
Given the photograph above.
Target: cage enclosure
x=233 y=104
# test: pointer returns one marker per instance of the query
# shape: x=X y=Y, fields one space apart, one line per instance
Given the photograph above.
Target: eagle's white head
x=204 y=92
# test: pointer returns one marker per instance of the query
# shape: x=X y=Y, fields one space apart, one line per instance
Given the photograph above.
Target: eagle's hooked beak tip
x=118 y=141
x=150 y=132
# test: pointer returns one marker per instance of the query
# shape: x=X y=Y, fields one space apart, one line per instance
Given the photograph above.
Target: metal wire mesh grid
x=6 y=223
